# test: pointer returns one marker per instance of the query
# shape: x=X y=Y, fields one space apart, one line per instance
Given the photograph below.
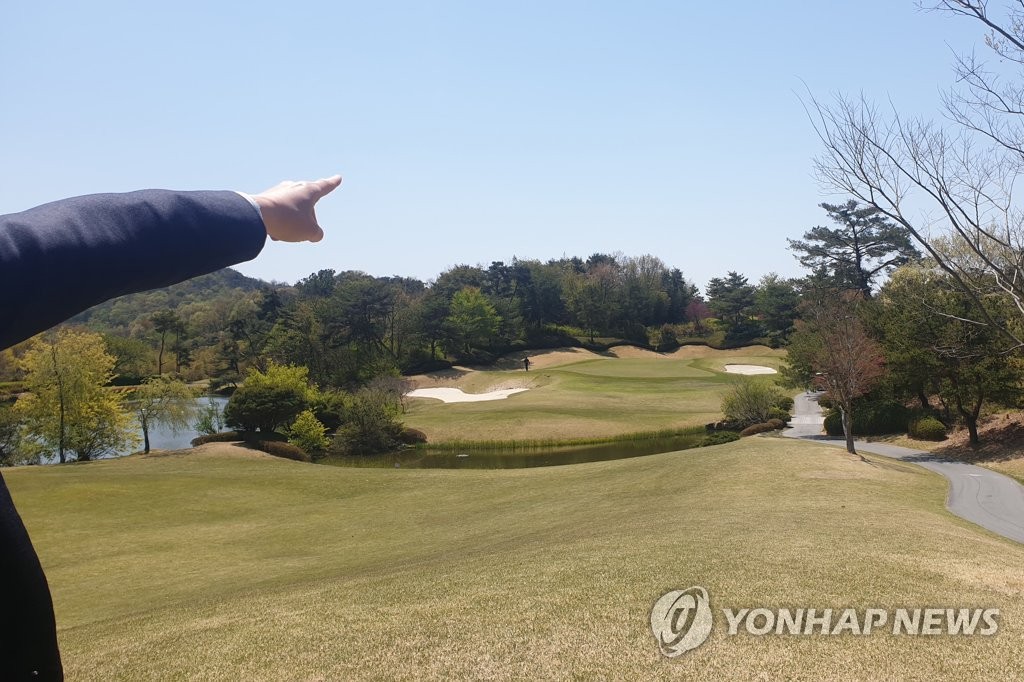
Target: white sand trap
x=456 y=395
x=749 y=369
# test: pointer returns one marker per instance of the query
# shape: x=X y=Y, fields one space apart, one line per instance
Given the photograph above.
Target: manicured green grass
x=227 y=565
x=592 y=398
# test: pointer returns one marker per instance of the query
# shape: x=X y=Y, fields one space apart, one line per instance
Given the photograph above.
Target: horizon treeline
x=349 y=327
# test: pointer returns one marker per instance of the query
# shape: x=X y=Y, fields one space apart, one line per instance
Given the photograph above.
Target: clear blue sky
x=466 y=131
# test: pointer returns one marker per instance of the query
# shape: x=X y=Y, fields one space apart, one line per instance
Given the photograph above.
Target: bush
x=779 y=414
x=666 y=338
x=279 y=449
x=870 y=418
x=308 y=434
x=371 y=425
x=268 y=400
x=754 y=429
x=927 y=428
x=718 y=438
x=410 y=436
x=224 y=437
x=778 y=423
x=753 y=401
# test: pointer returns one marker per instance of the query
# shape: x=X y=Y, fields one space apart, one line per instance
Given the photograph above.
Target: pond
x=160 y=437
x=435 y=458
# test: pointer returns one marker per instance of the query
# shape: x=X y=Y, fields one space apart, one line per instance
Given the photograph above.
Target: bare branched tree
x=953 y=179
x=847 y=362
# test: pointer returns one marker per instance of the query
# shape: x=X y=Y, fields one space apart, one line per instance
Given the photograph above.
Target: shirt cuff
x=251 y=200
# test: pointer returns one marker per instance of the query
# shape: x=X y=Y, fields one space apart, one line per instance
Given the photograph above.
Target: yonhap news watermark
x=682 y=620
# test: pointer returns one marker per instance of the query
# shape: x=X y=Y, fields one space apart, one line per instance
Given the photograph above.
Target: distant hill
x=119 y=313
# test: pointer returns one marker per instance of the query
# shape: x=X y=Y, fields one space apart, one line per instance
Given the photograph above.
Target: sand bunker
x=749 y=369
x=456 y=395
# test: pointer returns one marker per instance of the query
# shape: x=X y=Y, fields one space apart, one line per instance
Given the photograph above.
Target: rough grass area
x=231 y=565
x=625 y=391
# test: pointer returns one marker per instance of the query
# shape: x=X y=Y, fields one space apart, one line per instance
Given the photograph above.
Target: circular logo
x=681 y=620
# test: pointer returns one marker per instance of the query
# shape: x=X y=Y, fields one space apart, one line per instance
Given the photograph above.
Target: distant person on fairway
x=526 y=363
x=61 y=258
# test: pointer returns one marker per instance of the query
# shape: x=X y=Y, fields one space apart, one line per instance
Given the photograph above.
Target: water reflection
x=429 y=458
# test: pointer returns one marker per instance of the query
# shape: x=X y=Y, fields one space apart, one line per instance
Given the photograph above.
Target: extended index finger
x=325 y=186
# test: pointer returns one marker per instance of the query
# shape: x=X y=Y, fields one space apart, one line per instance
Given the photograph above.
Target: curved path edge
x=976 y=494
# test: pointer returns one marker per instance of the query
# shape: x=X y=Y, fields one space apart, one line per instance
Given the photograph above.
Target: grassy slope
x=596 y=397
x=218 y=566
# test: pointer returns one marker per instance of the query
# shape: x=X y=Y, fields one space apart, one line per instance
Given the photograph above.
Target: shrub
x=268 y=400
x=779 y=414
x=753 y=429
x=308 y=434
x=279 y=449
x=667 y=338
x=753 y=401
x=223 y=437
x=718 y=438
x=371 y=425
x=778 y=423
x=870 y=418
x=410 y=436
x=927 y=428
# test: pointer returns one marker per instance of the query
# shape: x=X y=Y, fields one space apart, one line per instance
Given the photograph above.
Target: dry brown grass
x=233 y=566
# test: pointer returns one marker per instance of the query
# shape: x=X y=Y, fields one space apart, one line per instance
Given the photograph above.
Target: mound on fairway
x=248 y=567
x=575 y=395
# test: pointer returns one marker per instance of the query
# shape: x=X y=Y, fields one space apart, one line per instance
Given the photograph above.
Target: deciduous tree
x=847 y=362
x=957 y=177
x=161 y=400
x=68 y=408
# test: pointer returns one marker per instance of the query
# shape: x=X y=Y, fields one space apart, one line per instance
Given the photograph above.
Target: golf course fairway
x=222 y=563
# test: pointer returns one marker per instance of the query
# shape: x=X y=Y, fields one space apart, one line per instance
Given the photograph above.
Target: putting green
x=596 y=397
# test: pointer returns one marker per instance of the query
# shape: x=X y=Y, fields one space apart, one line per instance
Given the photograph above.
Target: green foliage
x=68 y=409
x=870 y=418
x=732 y=300
x=269 y=400
x=329 y=408
x=166 y=401
x=718 y=438
x=666 y=339
x=775 y=304
x=371 y=424
x=927 y=428
x=10 y=438
x=472 y=319
x=308 y=434
x=865 y=246
x=411 y=436
x=133 y=358
x=937 y=347
x=753 y=401
x=209 y=418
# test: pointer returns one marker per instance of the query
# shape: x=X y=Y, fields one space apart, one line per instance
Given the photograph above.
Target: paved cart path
x=977 y=494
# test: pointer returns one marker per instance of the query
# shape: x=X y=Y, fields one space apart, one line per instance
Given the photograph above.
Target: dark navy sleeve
x=61 y=258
